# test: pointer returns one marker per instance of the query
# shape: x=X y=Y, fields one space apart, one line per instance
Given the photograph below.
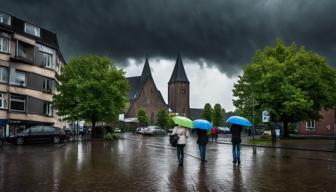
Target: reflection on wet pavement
x=137 y=163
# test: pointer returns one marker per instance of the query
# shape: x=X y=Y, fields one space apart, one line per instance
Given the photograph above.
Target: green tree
x=91 y=88
x=142 y=117
x=170 y=122
x=217 y=118
x=207 y=112
x=162 y=118
x=290 y=82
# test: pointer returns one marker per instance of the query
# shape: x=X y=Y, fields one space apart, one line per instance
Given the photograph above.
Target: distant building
x=326 y=126
x=144 y=94
x=30 y=63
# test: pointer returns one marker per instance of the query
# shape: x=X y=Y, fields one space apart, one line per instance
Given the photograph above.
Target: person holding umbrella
x=236 y=129
x=182 y=132
x=202 y=127
x=236 y=140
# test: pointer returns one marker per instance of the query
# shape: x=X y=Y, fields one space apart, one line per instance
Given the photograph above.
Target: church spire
x=146 y=72
x=179 y=73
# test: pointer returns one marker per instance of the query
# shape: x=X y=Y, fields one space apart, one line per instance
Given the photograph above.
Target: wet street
x=136 y=163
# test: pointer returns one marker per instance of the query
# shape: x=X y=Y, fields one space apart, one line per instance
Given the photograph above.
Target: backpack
x=214 y=131
x=173 y=139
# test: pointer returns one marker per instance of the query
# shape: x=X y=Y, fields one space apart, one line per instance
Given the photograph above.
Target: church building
x=144 y=94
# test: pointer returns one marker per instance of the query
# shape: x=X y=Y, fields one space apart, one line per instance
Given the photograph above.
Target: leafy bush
x=111 y=136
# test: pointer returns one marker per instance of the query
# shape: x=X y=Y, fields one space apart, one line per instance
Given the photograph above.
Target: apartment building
x=30 y=63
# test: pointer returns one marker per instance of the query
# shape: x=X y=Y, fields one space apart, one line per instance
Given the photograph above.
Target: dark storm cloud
x=226 y=33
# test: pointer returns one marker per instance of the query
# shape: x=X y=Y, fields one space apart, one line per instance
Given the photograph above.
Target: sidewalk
x=326 y=145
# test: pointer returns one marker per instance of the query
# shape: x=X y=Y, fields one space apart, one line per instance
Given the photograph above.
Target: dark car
x=38 y=134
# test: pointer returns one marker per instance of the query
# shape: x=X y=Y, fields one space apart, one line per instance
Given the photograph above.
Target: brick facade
x=150 y=100
x=325 y=126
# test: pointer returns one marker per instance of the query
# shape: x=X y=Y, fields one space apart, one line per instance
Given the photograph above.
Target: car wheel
x=19 y=141
x=56 y=140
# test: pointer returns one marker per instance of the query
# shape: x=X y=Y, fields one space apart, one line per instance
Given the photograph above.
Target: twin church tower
x=144 y=94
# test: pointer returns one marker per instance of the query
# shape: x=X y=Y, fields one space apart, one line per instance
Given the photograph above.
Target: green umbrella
x=183 y=121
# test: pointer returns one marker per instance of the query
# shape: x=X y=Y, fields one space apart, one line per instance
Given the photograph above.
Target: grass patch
x=260 y=141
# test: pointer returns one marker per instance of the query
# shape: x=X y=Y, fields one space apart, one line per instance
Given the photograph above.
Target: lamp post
x=253 y=130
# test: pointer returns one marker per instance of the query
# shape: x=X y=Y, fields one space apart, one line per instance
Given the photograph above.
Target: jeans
x=236 y=151
x=180 y=153
x=214 y=137
x=202 y=151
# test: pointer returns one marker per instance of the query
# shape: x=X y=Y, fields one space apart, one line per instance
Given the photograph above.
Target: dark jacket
x=236 y=132
x=202 y=137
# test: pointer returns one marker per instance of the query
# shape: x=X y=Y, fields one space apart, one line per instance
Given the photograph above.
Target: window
x=19 y=78
x=3 y=74
x=5 y=19
x=47 y=60
x=47 y=85
x=48 y=109
x=46 y=56
x=4 y=44
x=31 y=29
x=310 y=125
x=3 y=101
x=183 y=91
x=18 y=103
x=25 y=51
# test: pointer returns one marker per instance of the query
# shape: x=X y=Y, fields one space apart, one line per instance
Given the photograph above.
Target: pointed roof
x=179 y=73
x=146 y=72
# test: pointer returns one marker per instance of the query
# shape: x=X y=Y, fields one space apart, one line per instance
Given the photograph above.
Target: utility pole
x=253 y=130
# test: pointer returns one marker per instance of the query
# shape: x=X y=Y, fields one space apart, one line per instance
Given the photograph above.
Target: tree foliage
x=217 y=118
x=142 y=117
x=290 y=82
x=162 y=118
x=91 y=88
x=207 y=112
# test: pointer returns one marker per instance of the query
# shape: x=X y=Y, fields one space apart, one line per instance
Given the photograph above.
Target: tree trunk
x=285 y=129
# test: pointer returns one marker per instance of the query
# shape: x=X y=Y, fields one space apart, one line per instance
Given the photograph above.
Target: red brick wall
x=178 y=97
x=321 y=126
x=150 y=100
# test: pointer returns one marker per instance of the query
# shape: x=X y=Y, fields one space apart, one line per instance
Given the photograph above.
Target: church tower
x=178 y=89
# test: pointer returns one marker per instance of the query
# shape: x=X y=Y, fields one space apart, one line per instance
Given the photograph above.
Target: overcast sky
x=216 y=38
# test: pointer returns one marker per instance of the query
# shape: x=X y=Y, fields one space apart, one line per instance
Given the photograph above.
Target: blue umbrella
x=239 y=121
x=202 y=124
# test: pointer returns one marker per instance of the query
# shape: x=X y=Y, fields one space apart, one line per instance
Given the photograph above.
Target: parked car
x=154 y=130
x=224 y=130
x=139 y=130
x=38 y=134
x=117 y=130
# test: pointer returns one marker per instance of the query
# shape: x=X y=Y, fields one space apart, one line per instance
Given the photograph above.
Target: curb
x=279 y=147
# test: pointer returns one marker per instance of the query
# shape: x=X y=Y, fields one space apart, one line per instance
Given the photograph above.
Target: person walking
x=202 y=140
x=183 y=134
x=214 y=134
x=236 y=140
